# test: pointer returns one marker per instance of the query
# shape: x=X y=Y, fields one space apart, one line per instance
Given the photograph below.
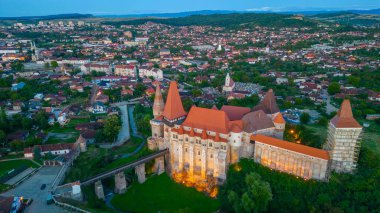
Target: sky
x=14 y=8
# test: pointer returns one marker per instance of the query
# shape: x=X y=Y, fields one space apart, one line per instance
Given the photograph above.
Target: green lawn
x=371 y=136
x=128 y=147
x=7 y=166
x=4 y=187
x=121 y=161
x=71 y=138
x=161 y=194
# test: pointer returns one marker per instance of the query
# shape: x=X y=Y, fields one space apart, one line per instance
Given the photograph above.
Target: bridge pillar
x=140 y=172
x=99 y=190
x=120 y=183
x=159 y=165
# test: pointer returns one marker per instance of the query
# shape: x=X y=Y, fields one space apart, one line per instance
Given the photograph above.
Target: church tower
x=229 y=84
x=343 y=140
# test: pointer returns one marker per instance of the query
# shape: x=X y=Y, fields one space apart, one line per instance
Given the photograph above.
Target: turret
x=158 y=105
x=343 y=140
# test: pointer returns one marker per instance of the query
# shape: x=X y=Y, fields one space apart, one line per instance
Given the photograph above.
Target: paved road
x=31 y=189
x=329 y=107
x=124 y=133
x=134 y=133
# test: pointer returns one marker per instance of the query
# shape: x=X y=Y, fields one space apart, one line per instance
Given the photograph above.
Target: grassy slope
x=161 y=194
x=370 y=136
x=6 y=166
x=92 y=162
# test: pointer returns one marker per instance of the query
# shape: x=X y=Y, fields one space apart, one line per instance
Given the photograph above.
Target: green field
x=96 y=160
x=161 y=194
x=7 y=166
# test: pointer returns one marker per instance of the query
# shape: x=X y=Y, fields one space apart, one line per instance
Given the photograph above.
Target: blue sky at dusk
x=110 y=7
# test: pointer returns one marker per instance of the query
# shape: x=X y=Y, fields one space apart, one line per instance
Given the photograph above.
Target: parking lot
x=31 y=188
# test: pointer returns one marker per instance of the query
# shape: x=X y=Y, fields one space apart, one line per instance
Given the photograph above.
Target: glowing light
x=237 y=167
x=292 y=131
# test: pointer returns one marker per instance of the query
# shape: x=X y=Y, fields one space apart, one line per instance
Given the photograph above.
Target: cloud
x=260 y=9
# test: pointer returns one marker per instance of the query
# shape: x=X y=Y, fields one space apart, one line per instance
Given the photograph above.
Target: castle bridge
x=120 y=181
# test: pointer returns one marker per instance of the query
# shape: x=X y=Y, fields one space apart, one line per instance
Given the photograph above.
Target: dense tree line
x=359 y=192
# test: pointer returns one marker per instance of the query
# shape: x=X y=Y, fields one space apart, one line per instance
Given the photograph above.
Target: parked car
x=43 y=186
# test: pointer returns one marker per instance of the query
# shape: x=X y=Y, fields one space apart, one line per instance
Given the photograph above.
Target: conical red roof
x=269 y=104
x=173 y=106
x=344 y=117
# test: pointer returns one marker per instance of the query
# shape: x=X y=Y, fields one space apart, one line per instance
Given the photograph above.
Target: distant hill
x=349 y=18
x=334 y=14
x=172 y=15
x=374 y=11
x=50 y=17
x=211 y=12
x=226 y=20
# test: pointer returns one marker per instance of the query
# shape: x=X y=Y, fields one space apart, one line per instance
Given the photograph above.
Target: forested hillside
x=228 y=20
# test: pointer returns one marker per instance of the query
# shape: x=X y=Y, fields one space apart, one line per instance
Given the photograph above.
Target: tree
x=333 y=88
x=255 y=196
x=54 y=64
x=3 y=119
x=305 y=118
x=47 y=65
x=112 y=126
x=41 y=119
x=18 y=66
x=36 y=153
x=355 y=81
x=196 y=92
x=2 y=137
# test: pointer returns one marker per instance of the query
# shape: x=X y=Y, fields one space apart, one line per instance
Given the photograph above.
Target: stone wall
x=343 y=145
x=298 y=164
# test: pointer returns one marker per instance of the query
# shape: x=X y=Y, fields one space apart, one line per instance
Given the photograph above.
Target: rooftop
x=344 y=117
x=306 y=150
x=173 y=106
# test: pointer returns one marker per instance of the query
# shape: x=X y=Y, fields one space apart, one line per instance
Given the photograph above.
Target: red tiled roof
x=235 y=112
x=268 y=104
x=173 y=106
x=209 y=119
x=344 y=117
x=306 y=150
x=279 y=119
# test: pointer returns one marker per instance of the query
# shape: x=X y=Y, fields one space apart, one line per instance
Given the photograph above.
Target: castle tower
x=279 y=124
x=343 y=140
x=173 y=111
x=158 y=108
x=158 y=105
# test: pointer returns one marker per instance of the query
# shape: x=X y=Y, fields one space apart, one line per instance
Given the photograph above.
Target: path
x=124 y=133
x=329 y=107
x=134 y=133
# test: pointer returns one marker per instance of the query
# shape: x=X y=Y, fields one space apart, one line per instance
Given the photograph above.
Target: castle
x=204 y=142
